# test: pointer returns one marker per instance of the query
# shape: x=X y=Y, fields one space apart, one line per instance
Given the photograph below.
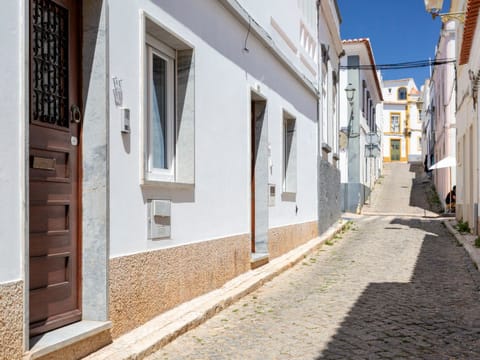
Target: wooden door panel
x=42 y=193
x=41 y=299
x=54 y=161
x=43 y=244
x=44 y=219
x=58 y=271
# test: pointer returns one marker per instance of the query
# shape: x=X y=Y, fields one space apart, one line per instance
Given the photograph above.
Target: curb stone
x=467 y=241
x=156 y=333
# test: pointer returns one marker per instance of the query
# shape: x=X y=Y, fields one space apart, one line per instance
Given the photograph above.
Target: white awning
x=447 y=162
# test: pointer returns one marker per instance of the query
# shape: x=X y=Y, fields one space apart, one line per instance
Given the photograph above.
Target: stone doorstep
x=58 y=339
x=156 y=333
x=467 y=241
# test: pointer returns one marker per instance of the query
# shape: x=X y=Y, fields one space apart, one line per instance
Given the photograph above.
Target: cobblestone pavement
x=404 y=189
x=391 y=287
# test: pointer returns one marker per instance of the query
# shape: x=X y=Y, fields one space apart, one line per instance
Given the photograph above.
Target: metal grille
x=49 y=63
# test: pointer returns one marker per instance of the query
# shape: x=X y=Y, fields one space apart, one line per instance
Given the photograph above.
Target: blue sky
x=399 y=31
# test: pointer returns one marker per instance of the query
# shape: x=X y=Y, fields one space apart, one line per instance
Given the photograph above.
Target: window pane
x=159 y=113
x=395 y=121
x=290 y=156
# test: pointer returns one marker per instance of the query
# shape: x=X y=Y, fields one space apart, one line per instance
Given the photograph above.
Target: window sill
x=163 y=184
x=289 y=196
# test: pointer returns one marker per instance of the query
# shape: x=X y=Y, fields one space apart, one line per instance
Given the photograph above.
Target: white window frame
x=392 y=129
x=155 y=47
x=289 y=167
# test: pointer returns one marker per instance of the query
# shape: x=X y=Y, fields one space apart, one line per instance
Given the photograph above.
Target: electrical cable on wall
x=245 y=48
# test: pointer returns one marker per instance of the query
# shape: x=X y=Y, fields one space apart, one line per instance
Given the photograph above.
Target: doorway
x=259 y=176
x=54 y=161
x=394 y=150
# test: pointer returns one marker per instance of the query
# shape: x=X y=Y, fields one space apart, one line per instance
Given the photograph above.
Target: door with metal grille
x=54 y=189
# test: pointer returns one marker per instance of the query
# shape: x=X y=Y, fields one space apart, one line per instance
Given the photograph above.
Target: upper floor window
x=395 y=123
x=402 y=93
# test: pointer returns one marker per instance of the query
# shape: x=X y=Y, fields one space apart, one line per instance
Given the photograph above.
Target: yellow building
x=402 y=127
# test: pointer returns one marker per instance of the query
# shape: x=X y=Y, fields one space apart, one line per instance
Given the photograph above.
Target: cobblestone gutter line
x=467 y=241
x=166 y=327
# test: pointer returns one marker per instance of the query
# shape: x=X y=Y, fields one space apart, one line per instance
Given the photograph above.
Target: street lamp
x=434 y=7
x=350 y=90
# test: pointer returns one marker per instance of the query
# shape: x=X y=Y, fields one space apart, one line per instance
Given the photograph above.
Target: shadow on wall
x=215 y=25
x=434 y=316
x=423 y=194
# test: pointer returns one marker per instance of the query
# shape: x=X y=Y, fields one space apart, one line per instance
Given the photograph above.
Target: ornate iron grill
x=49 y=63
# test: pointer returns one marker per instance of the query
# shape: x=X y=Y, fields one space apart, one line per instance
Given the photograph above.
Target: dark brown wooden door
x=54 y=189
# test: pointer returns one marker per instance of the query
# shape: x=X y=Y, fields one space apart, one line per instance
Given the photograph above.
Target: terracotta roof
x=366 y=42
x=414 y=91
x=469 y=29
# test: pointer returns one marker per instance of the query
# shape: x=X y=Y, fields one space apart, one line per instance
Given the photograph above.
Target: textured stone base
x=283 y=239
x=329 y=195
x=11 y=320
x=82 y=348
x=147 y=284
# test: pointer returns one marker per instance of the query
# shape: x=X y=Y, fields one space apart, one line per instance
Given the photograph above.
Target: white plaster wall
x=219 y=203
x=287 y=15
x=12 y=103
x=344 y=118
x=443 y=79
x=306 y=197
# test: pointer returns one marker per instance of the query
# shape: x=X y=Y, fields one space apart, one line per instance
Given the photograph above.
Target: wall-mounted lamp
x=350 y=91
x=434 y=7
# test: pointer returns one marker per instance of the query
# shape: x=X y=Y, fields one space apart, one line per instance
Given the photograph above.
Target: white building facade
x=402 y=124
x=361 y=111
x=442 y=105
x=155 y=153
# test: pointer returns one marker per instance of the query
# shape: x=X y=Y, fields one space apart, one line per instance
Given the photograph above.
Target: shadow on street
x=434 y=316
x=423 y=194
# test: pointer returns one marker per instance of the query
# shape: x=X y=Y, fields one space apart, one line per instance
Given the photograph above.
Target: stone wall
x=328 y=196
x=285 y=238
x=11 y=320
x=145 y=285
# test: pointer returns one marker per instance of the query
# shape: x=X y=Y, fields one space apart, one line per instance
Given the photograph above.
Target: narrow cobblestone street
x=388 y=287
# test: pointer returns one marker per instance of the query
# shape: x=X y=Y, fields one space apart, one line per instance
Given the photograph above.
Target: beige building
x=402 y=126
x=467 y=138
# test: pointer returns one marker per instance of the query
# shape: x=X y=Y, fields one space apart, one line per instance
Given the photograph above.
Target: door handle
x=76 y=114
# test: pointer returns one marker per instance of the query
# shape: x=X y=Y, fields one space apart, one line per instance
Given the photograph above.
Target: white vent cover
x=159 y=219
